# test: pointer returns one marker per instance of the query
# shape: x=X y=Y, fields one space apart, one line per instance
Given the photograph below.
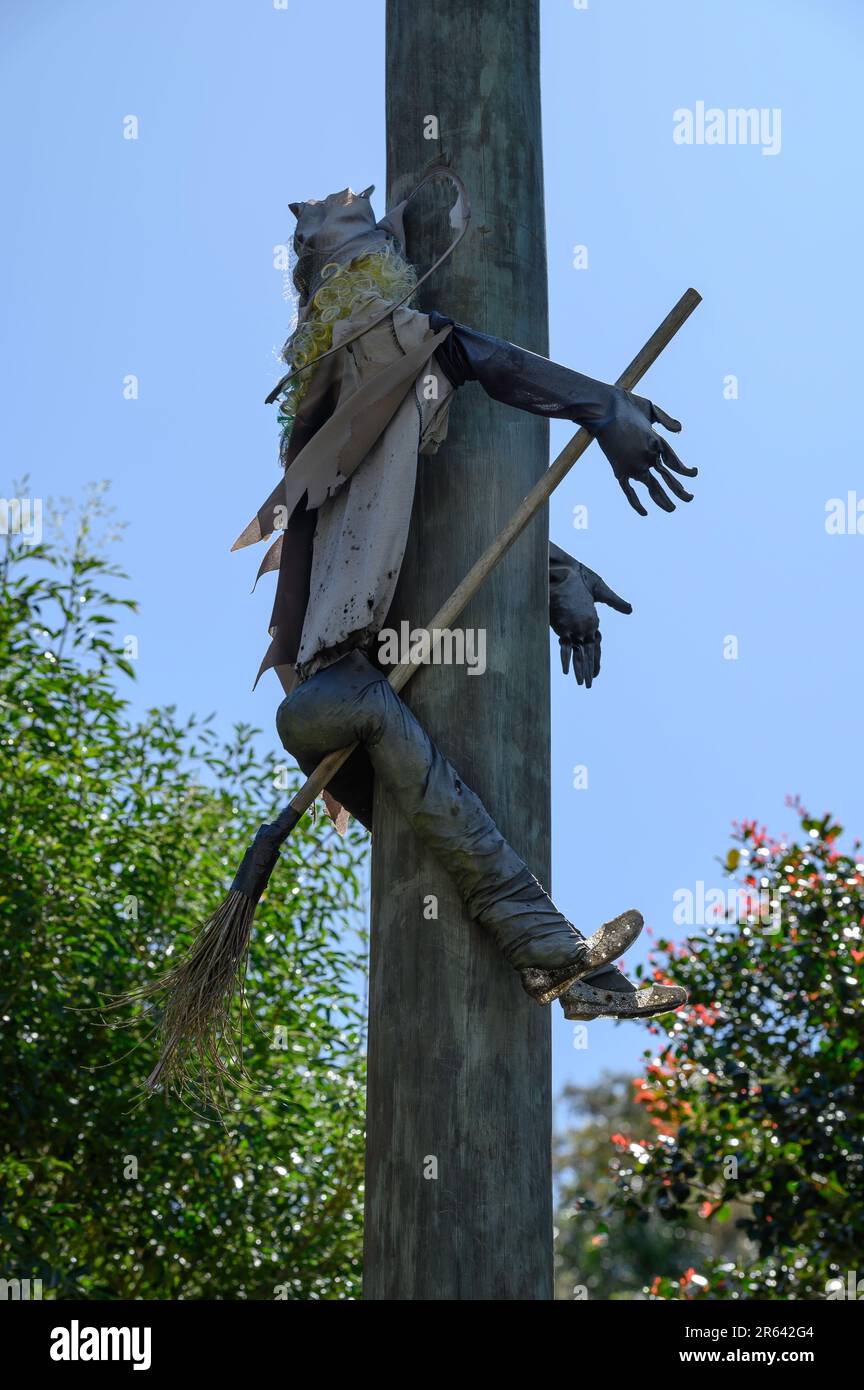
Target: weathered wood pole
x=458 y=1182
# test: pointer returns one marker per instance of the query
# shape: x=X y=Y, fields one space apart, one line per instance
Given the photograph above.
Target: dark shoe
x=608 y=943
x=582 y=1002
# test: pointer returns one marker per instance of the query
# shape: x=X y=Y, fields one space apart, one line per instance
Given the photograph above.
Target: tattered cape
x=343 y=508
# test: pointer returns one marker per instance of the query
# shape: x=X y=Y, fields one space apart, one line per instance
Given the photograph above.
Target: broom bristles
x=196 y=1028
x=199 y=991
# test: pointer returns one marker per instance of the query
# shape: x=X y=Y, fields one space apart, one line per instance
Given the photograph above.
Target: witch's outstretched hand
x=637 y=452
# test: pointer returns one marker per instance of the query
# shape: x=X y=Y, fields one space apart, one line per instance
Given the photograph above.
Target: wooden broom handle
x=527 y=509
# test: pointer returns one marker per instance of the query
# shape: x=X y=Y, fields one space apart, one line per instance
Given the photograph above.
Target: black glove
x=621 y=422
x=633 y=448
x=573 y=592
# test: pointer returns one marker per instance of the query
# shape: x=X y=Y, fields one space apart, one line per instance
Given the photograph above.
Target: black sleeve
x=519 y=378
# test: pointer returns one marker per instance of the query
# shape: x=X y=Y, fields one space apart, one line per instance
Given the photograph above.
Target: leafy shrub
x=118 y=835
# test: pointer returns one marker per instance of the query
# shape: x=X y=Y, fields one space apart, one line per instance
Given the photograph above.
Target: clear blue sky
x=155 y=257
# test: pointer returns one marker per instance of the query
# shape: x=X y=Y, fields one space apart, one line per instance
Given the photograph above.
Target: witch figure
x=356 y=408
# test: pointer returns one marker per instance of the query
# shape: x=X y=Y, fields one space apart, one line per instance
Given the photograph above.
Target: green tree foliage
x=753 y=1104
x=118 y=835
x=603 y=1249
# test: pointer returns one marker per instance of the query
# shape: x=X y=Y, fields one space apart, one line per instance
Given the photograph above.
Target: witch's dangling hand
x=573 y=615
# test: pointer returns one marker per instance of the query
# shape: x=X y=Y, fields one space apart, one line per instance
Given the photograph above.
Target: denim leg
x=351 y=702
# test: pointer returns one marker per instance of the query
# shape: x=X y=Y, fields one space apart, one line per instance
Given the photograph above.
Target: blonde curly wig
x=380 y=274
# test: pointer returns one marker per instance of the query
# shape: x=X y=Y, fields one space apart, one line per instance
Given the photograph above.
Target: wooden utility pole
x=458 y=1173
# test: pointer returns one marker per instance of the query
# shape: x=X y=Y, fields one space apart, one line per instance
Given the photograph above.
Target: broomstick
x=200 y=988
